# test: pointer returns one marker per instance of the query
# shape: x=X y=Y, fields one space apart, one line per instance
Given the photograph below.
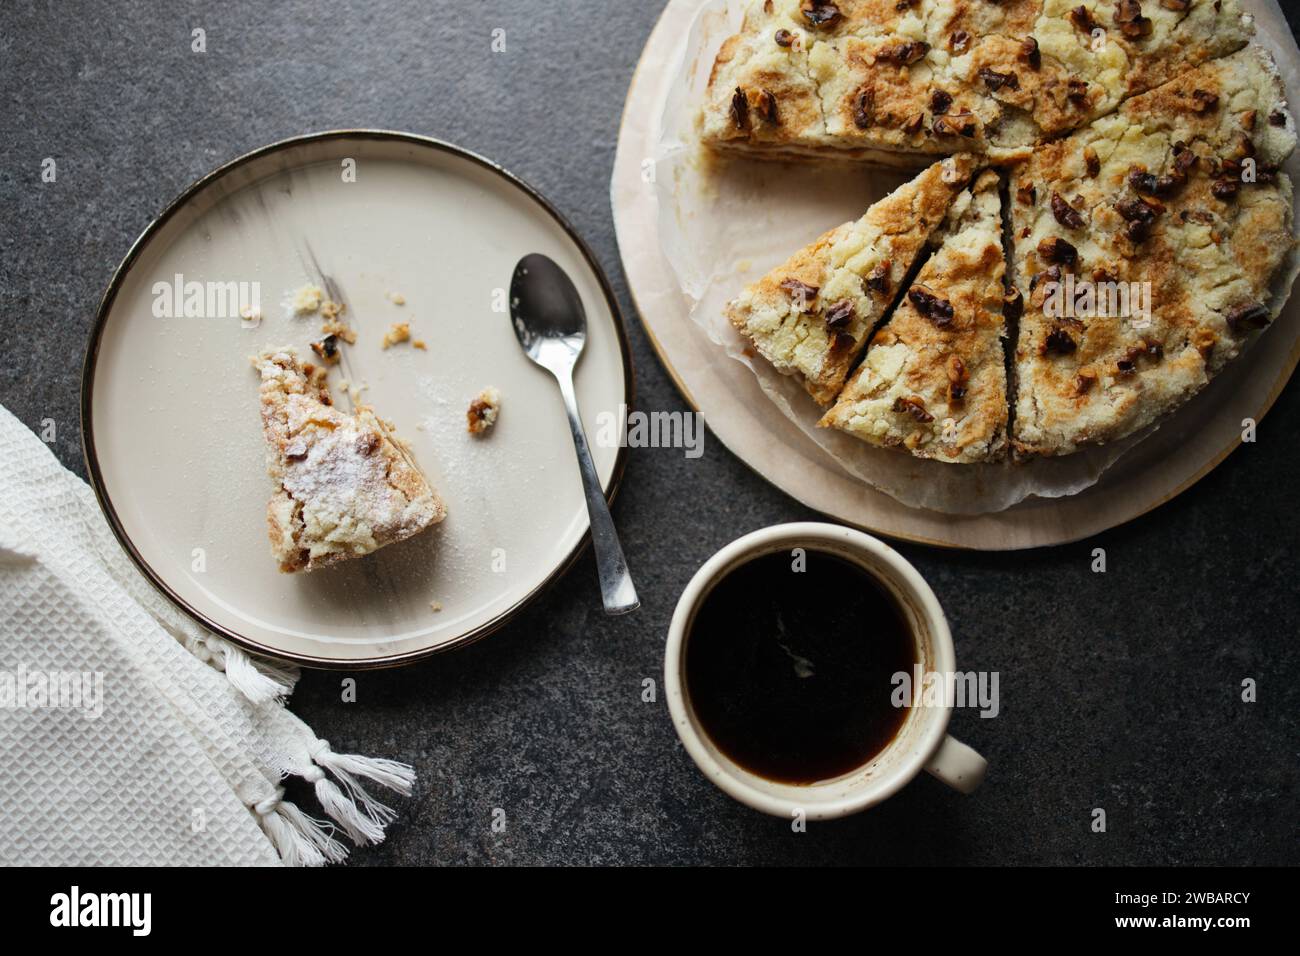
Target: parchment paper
x=724 y=223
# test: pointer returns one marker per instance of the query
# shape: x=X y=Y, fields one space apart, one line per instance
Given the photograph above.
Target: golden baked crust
x=344 y=488
x=760 y=92
x=935 y=76
x=1155 y=203
x=934 y=377
x=811 y=316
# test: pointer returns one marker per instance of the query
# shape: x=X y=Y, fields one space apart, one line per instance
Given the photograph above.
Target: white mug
x=921 y=743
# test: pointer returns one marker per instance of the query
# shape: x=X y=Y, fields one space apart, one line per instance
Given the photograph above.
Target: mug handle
x=957 y=765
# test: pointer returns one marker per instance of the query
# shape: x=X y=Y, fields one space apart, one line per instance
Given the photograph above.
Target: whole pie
x=1145 y=215
x=344 y=486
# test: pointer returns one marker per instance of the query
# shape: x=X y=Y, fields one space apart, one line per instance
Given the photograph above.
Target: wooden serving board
x=746 y=421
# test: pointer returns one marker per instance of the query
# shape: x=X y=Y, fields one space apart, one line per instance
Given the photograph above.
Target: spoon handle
x=615 y=582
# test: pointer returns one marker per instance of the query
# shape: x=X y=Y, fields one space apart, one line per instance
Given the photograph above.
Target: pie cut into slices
x=883 y=80
x=934 y=378
x=1146 y=245
x=344 y=487
x=811 y=316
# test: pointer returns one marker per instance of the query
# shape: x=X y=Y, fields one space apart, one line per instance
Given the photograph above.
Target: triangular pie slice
x=1146 y=246
x=934 y=378
x=811 y=316
x=881 y=79
x=344 y=488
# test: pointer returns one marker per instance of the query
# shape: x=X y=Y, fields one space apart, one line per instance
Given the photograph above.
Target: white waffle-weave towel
x=129 y=735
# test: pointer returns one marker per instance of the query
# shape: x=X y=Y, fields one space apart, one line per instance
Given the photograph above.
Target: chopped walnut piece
x=1058 y=342
x=959 y=42
x=1204 y=101
x=1243 y=318
x=958 y=378
x=1084 y=380
x=1082 y=19
x=1245 y=148
x=1065 y=214
x=1139 y=215
x=1090 y=162
x=397 y=332
x=1185 y=160
x=877 y=279
x=864 y=107
x=1248 y=119
x=1030 y=53
x=937 y=310
x=905 y=53
x=1131 y=22
x=840 y=314
x=802 y=295
x=844 y=342
x=1153 y=185
x=483 y=411
x=1056 y=249
x=914 y=125
x=913 y=406
x=767 y=107
x=955 y=124
x=740 y=109
x=995 y=80
x=327 y=348
x=1026 y=194
x=1178 y=6
x=821 y=14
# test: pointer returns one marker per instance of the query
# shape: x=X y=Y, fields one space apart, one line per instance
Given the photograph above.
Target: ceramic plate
x=170 y=403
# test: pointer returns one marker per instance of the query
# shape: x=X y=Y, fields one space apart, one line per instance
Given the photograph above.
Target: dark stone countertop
x=1119 y=690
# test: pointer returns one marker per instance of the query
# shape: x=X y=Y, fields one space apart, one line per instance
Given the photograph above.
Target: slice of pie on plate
x=934 y=378
x=344 y=486
x=811 y=316
x=1146 y=245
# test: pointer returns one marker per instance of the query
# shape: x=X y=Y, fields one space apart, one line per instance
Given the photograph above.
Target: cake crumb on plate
x=306 y=299
x=397 y=332
x=483 y=411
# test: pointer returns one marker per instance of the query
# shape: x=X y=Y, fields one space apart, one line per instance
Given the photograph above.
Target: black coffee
x=790 y=671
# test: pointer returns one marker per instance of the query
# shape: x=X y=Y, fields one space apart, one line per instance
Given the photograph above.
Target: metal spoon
x=552 y=329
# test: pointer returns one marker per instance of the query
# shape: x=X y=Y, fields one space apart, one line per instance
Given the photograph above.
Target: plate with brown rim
x=401 y=229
